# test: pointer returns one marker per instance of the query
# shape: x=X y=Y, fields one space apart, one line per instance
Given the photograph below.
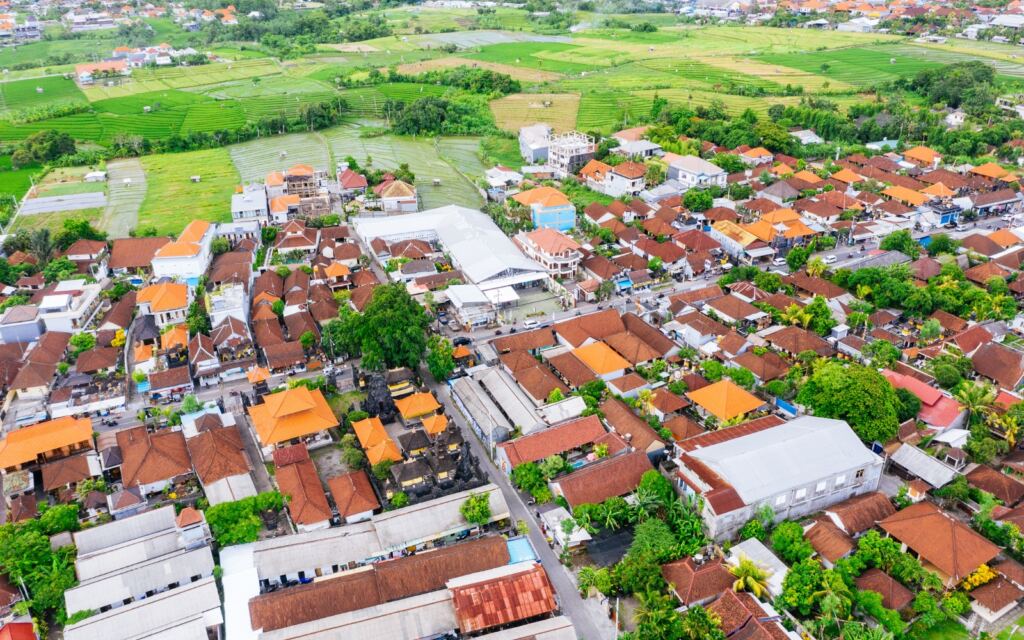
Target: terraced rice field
x=389 y=151
x=256 y=158
x=38 y=92
x=857 y=66
x=172 y=199
x=368 y=102
x=519 y=110
x=54 y=221
x=610 y=111
x=147 y=80
x=522 y=74
x=546 y=56
x=777 y=74
x=1003 y=65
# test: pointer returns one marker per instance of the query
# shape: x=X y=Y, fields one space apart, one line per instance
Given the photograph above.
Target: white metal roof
x=923 y=466
x=557 y=628
x=411 y=525
x=510 y=397
x=338 y=545
x=796 y=453
x=755 y=550
x=120 y=531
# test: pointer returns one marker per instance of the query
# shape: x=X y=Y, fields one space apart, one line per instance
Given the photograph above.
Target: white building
x=796 y=468
x=533 y=143
x=71 y=307
x=227 y=300
x=553 y=249
x=471 y=306
x=188 y=257
x=694 y=172
x=251 y=204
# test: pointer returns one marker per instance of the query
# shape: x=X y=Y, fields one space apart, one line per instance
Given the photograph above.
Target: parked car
x=831 y=259
x=461 y=340
x=779 y=262
x=530 y=324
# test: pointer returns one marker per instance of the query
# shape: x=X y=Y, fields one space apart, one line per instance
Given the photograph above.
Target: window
x=801 y=494
x=840 y=481
x=860 y=474
x=781 y=500
x=820 y=487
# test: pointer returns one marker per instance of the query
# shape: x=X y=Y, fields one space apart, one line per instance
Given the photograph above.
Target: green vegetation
x=172 y=193
x=239 y=522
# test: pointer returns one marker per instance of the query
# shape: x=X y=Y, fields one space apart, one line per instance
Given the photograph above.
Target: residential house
x=152 y=461
x=219 y=459
x=724 y=400
x=166 y=302
x=796 y=468
x=297 y=479
x=251 y=204
x=353 y=496
x=533 y=143
x=607 y=478
x=129 y=256
x=189 y=256
x=45 y=442
x=548 y=208
x=552 y=249
x=69 y=305
x=569 y=152
x=1002 y=365
x=397 y=196
x=695 y=173
x=290 y=416
x=574 y=440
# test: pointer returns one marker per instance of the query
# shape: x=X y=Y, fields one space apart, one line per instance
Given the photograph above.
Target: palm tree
x=863 y=291
x=656 y=616
x=977 y=399
x=1005 y=424
x=834 y=598
x=586 y=580
x=750 y=577
x=647 y=504
x=645 y=398
x=815 y=267
x=41 y=246
x=859 y=320
x=613 y=514
x=797 y=316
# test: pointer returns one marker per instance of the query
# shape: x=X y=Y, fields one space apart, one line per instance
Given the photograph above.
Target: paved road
x=586 y=613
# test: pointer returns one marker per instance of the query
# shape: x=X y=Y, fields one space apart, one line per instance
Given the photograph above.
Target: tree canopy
x=857 y=394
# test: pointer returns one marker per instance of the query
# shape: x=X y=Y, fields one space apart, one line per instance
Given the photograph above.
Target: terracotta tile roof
x=595 y=483
x=170 y=378
x=982 y=273
x=997 y=594
x=949 y=322
x=796 y=340
x=556 y=440
x=858 y=514
x=600 y=358
x=693 y=583
x=417 y=404
x=134 y=253
x=527 y=341
x=1005 y=488
x=352 y=493
x=631 y=427
x=571 y=369
x=723 y=435
x=668 y=402
x=742 y=617
x=25 y=444
x=67 y=471
x=299 y=481
x=290 y=414
x=981 y=243
x=283 y=354
x=767 y=366
x=503 y=600
x=940 y=539
x=150 y=458
x=969 y=340
x=683 y=427
x=382 y=582
x=538 y=381
x=894 y=595
x=218 y=453
x=593 y=326
x=1011 y=570
x=23 y=507
x=542 y=196
x=999 y=363
x=165 y=296
x=828 y=540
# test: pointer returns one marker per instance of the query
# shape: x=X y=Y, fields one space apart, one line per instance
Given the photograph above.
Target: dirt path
x=127 y=188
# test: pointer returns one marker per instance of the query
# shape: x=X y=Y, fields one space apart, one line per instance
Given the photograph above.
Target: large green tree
x=854 y=393
x=392 y=331
x=440 y=358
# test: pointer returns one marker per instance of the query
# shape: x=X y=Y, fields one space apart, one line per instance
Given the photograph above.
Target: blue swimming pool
x=520 y=550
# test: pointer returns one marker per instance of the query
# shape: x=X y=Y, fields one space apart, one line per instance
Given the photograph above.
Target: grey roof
x=411 y=525
x=339 y=545
x=924 y=466
x=766 y=463
x=477 y=246
x=139 y=578
x=172 y=614
x=509 y=396
x=479 y=406
x=693 y=164
x=884 y=259
x=119 y=532
x=556 y=628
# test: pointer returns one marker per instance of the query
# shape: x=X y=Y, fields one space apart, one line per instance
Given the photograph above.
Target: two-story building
x=167 y=302
x=548 y=208
x=187 y=258
x=251 y=204
x=552 y=249
x=695 y=173
x=797 y=468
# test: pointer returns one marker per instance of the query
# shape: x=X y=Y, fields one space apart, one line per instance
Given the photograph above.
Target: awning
x=760 y=252
x=503 y=295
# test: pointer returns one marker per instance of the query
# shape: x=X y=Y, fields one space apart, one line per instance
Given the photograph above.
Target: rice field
x=857 y=66
x=519 y=110
x=173 y=200
x=38 y=92
x=53 y=221
x=256 y=158
x=368 y=102
x=147 y=80
x=611 y=110
x=522 y=74
x=81 y=49
x=545 y=56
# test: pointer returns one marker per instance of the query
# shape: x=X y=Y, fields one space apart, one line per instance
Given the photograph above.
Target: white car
x=831 y=259
x=530 y=324
x=779 y=262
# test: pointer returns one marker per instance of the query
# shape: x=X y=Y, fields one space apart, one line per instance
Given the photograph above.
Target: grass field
x=147 y=80
x=368 y=102
x=80 y=50
x=38 y=92
x=54 y=221
x=519 y=110
x=546 y=56
x=172 y=199
x=857 y=66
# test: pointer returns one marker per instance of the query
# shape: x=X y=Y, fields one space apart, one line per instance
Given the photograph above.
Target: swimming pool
x=520 y=550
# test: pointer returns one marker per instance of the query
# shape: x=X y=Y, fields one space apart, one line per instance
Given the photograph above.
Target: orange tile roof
x=177 y=336
x=782 y=169
x=195 y=231
x=435 y=424
x=281 y=203
x=164 y=296
x=551 y=241
x=725 y=399
x=542 y=196
x=847 y=176
x=757 y=152
x=905 y=195
x=336 y=270
x=143 y=352
x=808 y=176
x=761 y=229
x=922 y=154
x=416 y=405
x=595 y=169
x=938 y=190
x=177 y=250
x=301 y=170
x=989 y=170
x=375 y=441
x=290 y=414
x=781 y=215
x=600 y=358
x=25 y=444
x=257 y=374
x=274 y=179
